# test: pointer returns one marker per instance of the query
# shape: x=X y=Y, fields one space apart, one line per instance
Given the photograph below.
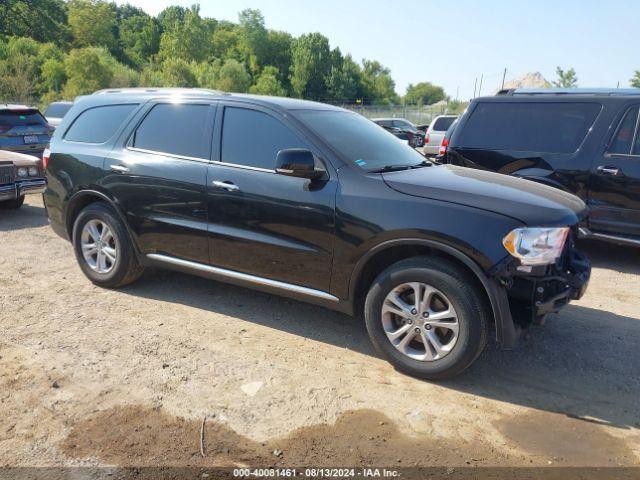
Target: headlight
x=33 y=171
x=22 y=172
x=536 y=246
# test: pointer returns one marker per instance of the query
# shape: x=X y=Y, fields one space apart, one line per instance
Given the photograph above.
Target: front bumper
x=15 y=190
x=536 y=292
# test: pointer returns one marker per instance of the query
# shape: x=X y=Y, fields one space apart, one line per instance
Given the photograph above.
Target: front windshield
x=358 y=140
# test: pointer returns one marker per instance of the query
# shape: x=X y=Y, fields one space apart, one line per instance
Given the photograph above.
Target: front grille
x=6 y=174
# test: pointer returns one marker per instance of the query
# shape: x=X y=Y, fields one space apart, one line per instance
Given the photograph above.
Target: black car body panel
x=609 y=182
x=313 y=239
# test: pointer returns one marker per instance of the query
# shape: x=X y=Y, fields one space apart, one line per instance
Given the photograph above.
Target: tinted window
x=536 y=127
x=358 y=140
x=21 y=118
x=443 y=124
x=624 y=135
x=254 y=138
x=97 y=125
x=57 y=110
x=178 y=129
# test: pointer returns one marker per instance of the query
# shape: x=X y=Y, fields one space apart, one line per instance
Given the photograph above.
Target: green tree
x=343 y=82
x=225 y=42
x=566 y=79
x=207 y=73
x=87 y=69
x=310 y=66
x=140 y=38
x=171 y=17
x=53 y=75
x=635 y=81
x=92 y=23
x=187 y=40
x=176 y=72
x=377 y=84
x=17 y=79
x=278 y=54
x=423 y=93
x=268 y=83
x=253 y=38
x=42 y=20
x=233 y=77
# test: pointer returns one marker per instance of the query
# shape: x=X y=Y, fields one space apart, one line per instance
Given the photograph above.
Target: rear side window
x=623 y=138
x=21 y=118
x=536 y=127
x=98 y=124
x=443 y=124
x=177 y=129
x=253 y=138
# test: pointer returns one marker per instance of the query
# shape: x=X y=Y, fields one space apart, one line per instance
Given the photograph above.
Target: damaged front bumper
x=531 y=293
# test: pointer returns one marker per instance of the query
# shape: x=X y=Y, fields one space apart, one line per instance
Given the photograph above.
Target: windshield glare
x=358 y=140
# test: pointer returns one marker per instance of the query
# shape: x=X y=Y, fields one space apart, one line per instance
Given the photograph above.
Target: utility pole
x=457 y=90
x=480 y=89
x=504 y=74
x=475 y=84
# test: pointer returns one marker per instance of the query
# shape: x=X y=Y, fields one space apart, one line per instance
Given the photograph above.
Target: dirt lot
x=94 y=377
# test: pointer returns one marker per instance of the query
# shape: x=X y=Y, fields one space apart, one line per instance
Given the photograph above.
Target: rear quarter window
x=98 y=124
x=548 y=127
x=443 y=124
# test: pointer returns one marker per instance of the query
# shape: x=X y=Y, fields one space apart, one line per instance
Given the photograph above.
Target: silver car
x=435 y=134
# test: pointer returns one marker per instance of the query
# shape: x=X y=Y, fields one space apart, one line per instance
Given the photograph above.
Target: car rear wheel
x=13 y=204
x=427 y=317
x=103 y=248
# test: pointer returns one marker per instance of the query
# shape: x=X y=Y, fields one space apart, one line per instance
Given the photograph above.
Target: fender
x=79 y=195
x=506 y=333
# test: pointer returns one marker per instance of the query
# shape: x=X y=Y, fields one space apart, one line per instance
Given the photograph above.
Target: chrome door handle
x=229 y=187
x=118 y=168
x=608 y=170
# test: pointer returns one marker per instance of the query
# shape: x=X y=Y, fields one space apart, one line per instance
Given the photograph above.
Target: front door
x=614 y=187
x=260 y=222
x=159 y=179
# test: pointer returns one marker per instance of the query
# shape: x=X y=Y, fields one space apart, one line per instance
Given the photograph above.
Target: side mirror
x=297 y=162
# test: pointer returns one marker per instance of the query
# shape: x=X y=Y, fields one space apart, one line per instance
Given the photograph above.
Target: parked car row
x=582 y=141
x=320 y=204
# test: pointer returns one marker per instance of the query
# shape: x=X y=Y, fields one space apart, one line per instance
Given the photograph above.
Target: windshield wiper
x=397 y=168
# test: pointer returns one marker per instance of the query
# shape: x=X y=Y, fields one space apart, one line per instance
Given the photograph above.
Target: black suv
x=402 y=129
x=316 y=203
x=586 y=142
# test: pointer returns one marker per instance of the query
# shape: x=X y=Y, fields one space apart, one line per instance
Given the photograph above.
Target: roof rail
x=570 y=91
x=160 y=90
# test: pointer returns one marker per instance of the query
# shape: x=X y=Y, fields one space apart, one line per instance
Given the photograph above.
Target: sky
x=453 y=43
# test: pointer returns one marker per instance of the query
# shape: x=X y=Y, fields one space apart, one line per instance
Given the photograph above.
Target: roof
x=11 y=106
x=115 y=95
x=571 y=91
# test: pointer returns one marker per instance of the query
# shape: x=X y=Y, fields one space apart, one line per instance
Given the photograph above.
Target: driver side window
x=252 y=138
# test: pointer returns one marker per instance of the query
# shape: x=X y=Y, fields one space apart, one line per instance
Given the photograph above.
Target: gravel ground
x=98 y=377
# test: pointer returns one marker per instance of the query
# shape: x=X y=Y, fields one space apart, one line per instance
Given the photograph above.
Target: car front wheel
x=103 y=248
x=427 y=317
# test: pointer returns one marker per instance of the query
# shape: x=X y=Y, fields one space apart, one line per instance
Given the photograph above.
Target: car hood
x=532 y=203
x=18 y=159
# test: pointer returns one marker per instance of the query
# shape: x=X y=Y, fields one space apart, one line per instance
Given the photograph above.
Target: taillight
x=443 y=146
x=45 y=157
x=426 y=138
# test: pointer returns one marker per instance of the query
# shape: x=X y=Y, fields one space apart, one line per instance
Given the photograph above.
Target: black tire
x=13 y=204
x=462 y=292
x=126 y=268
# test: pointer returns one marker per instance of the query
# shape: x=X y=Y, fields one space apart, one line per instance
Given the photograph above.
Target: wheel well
x=387 y=257
x=77 y=205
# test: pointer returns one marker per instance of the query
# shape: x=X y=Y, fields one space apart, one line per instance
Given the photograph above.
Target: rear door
x=260 y=222
x=614 y=187
x=158 y=177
